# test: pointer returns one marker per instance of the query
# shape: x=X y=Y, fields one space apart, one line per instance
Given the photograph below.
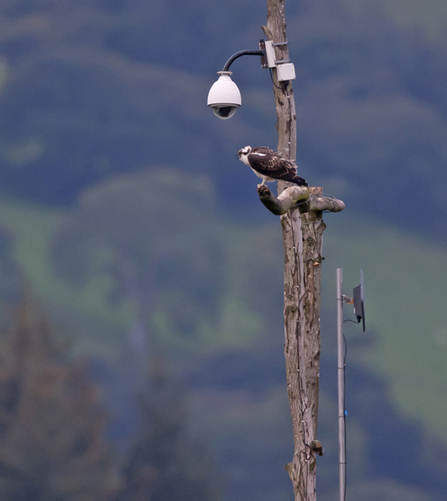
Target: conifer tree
x=163 y=465
x=51 y=424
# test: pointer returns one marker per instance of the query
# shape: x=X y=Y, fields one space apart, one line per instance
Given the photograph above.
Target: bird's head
x=243 y=152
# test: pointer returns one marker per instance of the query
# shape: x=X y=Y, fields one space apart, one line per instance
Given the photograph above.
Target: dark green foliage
x=99 y=88
x=11 y=277
x=162 y=464
x=51 y=423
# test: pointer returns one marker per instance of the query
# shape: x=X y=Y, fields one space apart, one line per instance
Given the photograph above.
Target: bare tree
x=302 y=224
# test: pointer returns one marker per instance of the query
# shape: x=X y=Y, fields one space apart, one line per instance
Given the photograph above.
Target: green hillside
x=405 y=281
x=83 y=311
x=405 y=293
x=123 y=205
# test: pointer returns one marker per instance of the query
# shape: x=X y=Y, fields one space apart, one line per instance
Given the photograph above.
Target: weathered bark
x=302 y=227
x=287 y=199
x=303 y=238
x=275 y=30
x=298 y=197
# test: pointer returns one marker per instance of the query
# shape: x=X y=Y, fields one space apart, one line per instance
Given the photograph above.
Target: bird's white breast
x=244 y=158
x=262 y=176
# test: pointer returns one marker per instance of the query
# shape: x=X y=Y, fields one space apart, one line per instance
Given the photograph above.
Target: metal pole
x=341 y=388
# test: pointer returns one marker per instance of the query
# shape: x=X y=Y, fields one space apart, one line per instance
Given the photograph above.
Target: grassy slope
x=405 y=311
x=82 y=310
x=405 y=294
x=405 y=276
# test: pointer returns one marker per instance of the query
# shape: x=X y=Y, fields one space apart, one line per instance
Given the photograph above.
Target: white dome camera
x=224 y=97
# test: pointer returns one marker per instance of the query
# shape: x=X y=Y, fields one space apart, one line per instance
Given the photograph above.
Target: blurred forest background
x=141 y=348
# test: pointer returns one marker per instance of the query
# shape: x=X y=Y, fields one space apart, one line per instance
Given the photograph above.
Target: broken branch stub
x=301 y=197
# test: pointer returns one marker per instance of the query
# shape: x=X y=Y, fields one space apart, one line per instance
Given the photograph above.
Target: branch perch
x=306 y=199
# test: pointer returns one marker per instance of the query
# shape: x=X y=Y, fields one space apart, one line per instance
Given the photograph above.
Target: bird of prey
x=270 y=166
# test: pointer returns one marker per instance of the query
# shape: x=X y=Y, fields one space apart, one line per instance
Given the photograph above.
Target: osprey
x=268 y=165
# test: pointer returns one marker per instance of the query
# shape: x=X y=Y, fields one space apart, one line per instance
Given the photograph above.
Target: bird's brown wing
x=268 y=163
x=292 y=177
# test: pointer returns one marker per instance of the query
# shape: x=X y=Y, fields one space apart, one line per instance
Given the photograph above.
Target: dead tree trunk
x=303 y=239
x=302 y=227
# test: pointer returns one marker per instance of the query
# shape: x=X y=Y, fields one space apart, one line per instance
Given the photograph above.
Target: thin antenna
x=341 y=389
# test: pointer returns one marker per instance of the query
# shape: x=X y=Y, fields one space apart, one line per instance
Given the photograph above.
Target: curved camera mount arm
x=248 y=52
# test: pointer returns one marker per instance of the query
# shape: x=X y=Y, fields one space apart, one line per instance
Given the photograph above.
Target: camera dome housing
x=224 y=97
